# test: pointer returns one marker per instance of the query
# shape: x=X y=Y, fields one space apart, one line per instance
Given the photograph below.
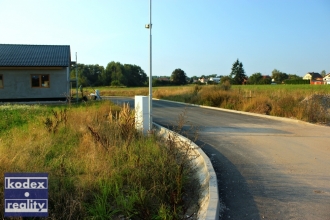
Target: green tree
x=237 y=73
x=105 y=77
x=225 y=83
x=88 y=75
x=192 y=79
x=179 y=77
x=82 y=80
x=265 y=80
x=116 y=72
x=323 y=73
x=135 y=75
x=278 y=76
x=225 y=79
x=95 y=72
x=294 y=77
x=212 y=75
x=255 y=78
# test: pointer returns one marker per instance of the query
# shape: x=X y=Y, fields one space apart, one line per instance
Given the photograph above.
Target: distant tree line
x=258 y=79
x=115 y=74
x=238 y=77
x=178 y=77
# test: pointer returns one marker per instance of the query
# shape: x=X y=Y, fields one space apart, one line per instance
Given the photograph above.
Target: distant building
x=326 y=79
x=161 y=78
x=203 y=80
x=215 y=79
x=315 y=78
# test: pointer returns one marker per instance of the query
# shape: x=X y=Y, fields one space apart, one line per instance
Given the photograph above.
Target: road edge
x=209 y=201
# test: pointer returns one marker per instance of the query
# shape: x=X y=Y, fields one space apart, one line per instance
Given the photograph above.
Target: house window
x=40 y=81
x=1 y=81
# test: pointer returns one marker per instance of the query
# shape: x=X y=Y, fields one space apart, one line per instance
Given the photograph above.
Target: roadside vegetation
x=309 y=103
x=303 y=102
x=99 y=166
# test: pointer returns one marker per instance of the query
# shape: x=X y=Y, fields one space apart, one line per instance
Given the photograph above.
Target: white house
x=326 y=79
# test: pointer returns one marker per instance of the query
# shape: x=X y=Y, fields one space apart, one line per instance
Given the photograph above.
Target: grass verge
x=99 y=166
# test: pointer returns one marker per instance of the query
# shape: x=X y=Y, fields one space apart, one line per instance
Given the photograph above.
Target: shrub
x=225 y=85
x=285 y=106
x=116 y=83
x=260 y=105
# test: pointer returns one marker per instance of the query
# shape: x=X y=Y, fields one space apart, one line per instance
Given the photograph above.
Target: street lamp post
x=149 y=26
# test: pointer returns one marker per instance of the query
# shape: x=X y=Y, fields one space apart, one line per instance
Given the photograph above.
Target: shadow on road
x=233 y=188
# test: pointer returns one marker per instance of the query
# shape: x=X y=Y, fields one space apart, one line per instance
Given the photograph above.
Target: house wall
x=326 y=79
x=307 y=77
x=17 y=84
x=317 y=82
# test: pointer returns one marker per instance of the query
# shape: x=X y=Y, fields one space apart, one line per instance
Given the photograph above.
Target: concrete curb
x=209 y=201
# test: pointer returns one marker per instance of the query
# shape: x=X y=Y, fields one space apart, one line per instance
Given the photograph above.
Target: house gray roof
x=20 y=55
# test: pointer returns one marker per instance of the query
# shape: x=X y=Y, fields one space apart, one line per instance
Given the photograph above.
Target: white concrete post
x=142 y=113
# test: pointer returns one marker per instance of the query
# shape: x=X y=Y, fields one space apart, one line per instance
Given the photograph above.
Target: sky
x=201 y=37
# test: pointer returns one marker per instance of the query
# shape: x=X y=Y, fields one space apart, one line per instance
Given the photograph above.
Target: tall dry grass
x=304 y=102
x=99 y=166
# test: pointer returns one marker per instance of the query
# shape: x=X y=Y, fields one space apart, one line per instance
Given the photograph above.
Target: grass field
x=303 y=102
x=99 y=166
x=170 y=90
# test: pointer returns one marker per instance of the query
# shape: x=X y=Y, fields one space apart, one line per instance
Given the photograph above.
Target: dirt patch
x=322 y=100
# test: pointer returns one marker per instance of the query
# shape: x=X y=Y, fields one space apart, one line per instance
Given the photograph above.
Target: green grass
x=16 y=116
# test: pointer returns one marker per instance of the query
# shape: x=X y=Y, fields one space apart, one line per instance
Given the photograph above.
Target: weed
x=52 y=124
x=225 y=86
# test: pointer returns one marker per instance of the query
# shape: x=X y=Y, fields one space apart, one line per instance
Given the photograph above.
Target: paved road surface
x=266 y=169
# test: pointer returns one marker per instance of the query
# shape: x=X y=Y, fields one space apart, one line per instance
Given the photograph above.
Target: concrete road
x=266 y=168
